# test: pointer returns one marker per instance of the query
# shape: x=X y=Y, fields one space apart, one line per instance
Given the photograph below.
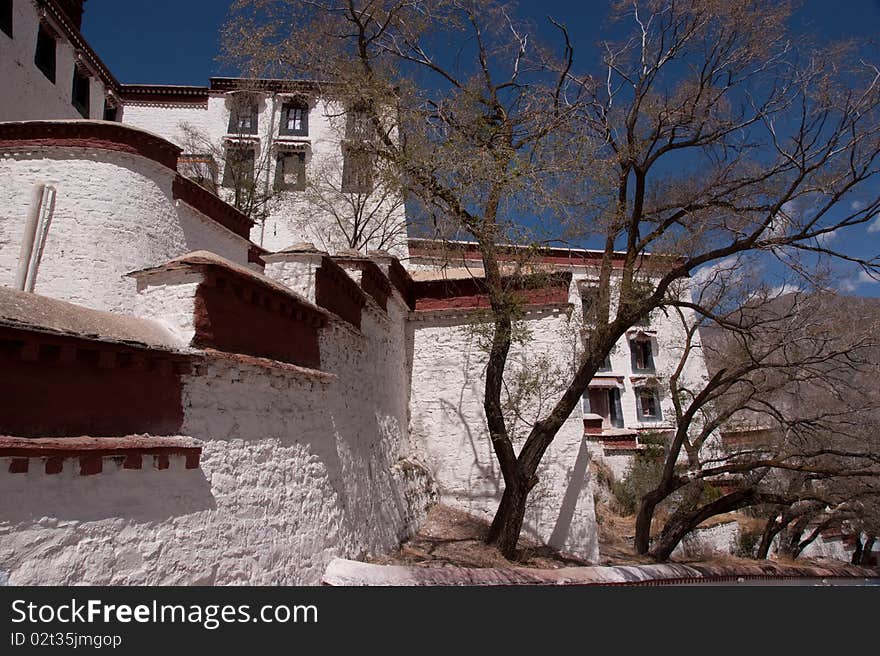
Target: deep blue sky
x=176 y=42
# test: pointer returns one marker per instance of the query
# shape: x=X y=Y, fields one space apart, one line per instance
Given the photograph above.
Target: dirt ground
x=450 y=537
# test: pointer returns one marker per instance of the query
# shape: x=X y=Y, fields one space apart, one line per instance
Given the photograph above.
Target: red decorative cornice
x=164 y=93
x=102 y=135
x=91 y=450
x=105 y=135
x=227 y=84
x=211 y=206
x=472 y=293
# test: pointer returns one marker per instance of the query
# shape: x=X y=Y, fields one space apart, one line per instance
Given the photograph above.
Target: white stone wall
x=707 y=541
x=298 y=468
x=168 y=298
x=28 y=94
x=114 y=213
x=201 y=233
x=292 y=217
x=619 y=462
x=448 y=425
x=834 y=548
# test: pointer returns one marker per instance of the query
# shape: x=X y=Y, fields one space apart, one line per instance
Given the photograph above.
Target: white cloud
x=785 y=288
x=724 y=270
x=862 y=278
x=875 y=225
x=856 y=205
x=847 y=285
x=826 y=237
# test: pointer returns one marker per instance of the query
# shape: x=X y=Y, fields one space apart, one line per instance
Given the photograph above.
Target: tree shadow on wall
x=577 y=478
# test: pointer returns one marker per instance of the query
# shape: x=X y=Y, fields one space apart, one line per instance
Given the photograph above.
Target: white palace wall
x=297 y=467
x=448 y=424
x=113 y=213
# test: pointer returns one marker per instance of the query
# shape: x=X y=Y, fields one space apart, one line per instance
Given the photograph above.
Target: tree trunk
x=857 y=554
x=645 y=518
x=679 y=526
x=867 y=549
x=771 y=530
x=508 y=520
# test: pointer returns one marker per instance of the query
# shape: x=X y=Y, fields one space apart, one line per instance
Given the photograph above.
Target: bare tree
x=706 y=132
x=788 y=378
x=238 y=167
x=370 y=216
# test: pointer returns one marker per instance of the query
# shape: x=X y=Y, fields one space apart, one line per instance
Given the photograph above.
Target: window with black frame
x=642 y=354
x=238 y=171
x=80 y=92
x=295 y=118
x=589 y=302
x=243 y=116
x=44 y=56
x=605 y=402
x=357 y=171
x=290 y=171
x=6 y=17
x=648 y=404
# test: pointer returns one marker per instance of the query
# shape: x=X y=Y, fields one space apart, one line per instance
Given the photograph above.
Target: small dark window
x=243 y=117
x=642 y=355
x=6 y=17
x=44 y=57
x=111 y=112
x=239 y=170
x=589 y=303
x=358 y=124
x=648 y=405
x=290 y=172
x=80 y=95
x=615 y=410
x=295 y=118
x=357 y=171
x=606 y=404
x=606 y=364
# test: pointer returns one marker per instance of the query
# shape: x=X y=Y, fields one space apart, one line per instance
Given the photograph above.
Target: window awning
x=299 y=144
x=636 y=332
x=644 y=381
x=240 y=140
x=605 y=382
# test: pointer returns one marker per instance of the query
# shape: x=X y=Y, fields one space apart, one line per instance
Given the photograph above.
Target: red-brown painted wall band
x=235 y=314
x=373 y=280
x=89 y=134
x=374 y=283
x=337 y=292
x=55 y=385
x=211 y=206
x=470 y=293
x=399 y=277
